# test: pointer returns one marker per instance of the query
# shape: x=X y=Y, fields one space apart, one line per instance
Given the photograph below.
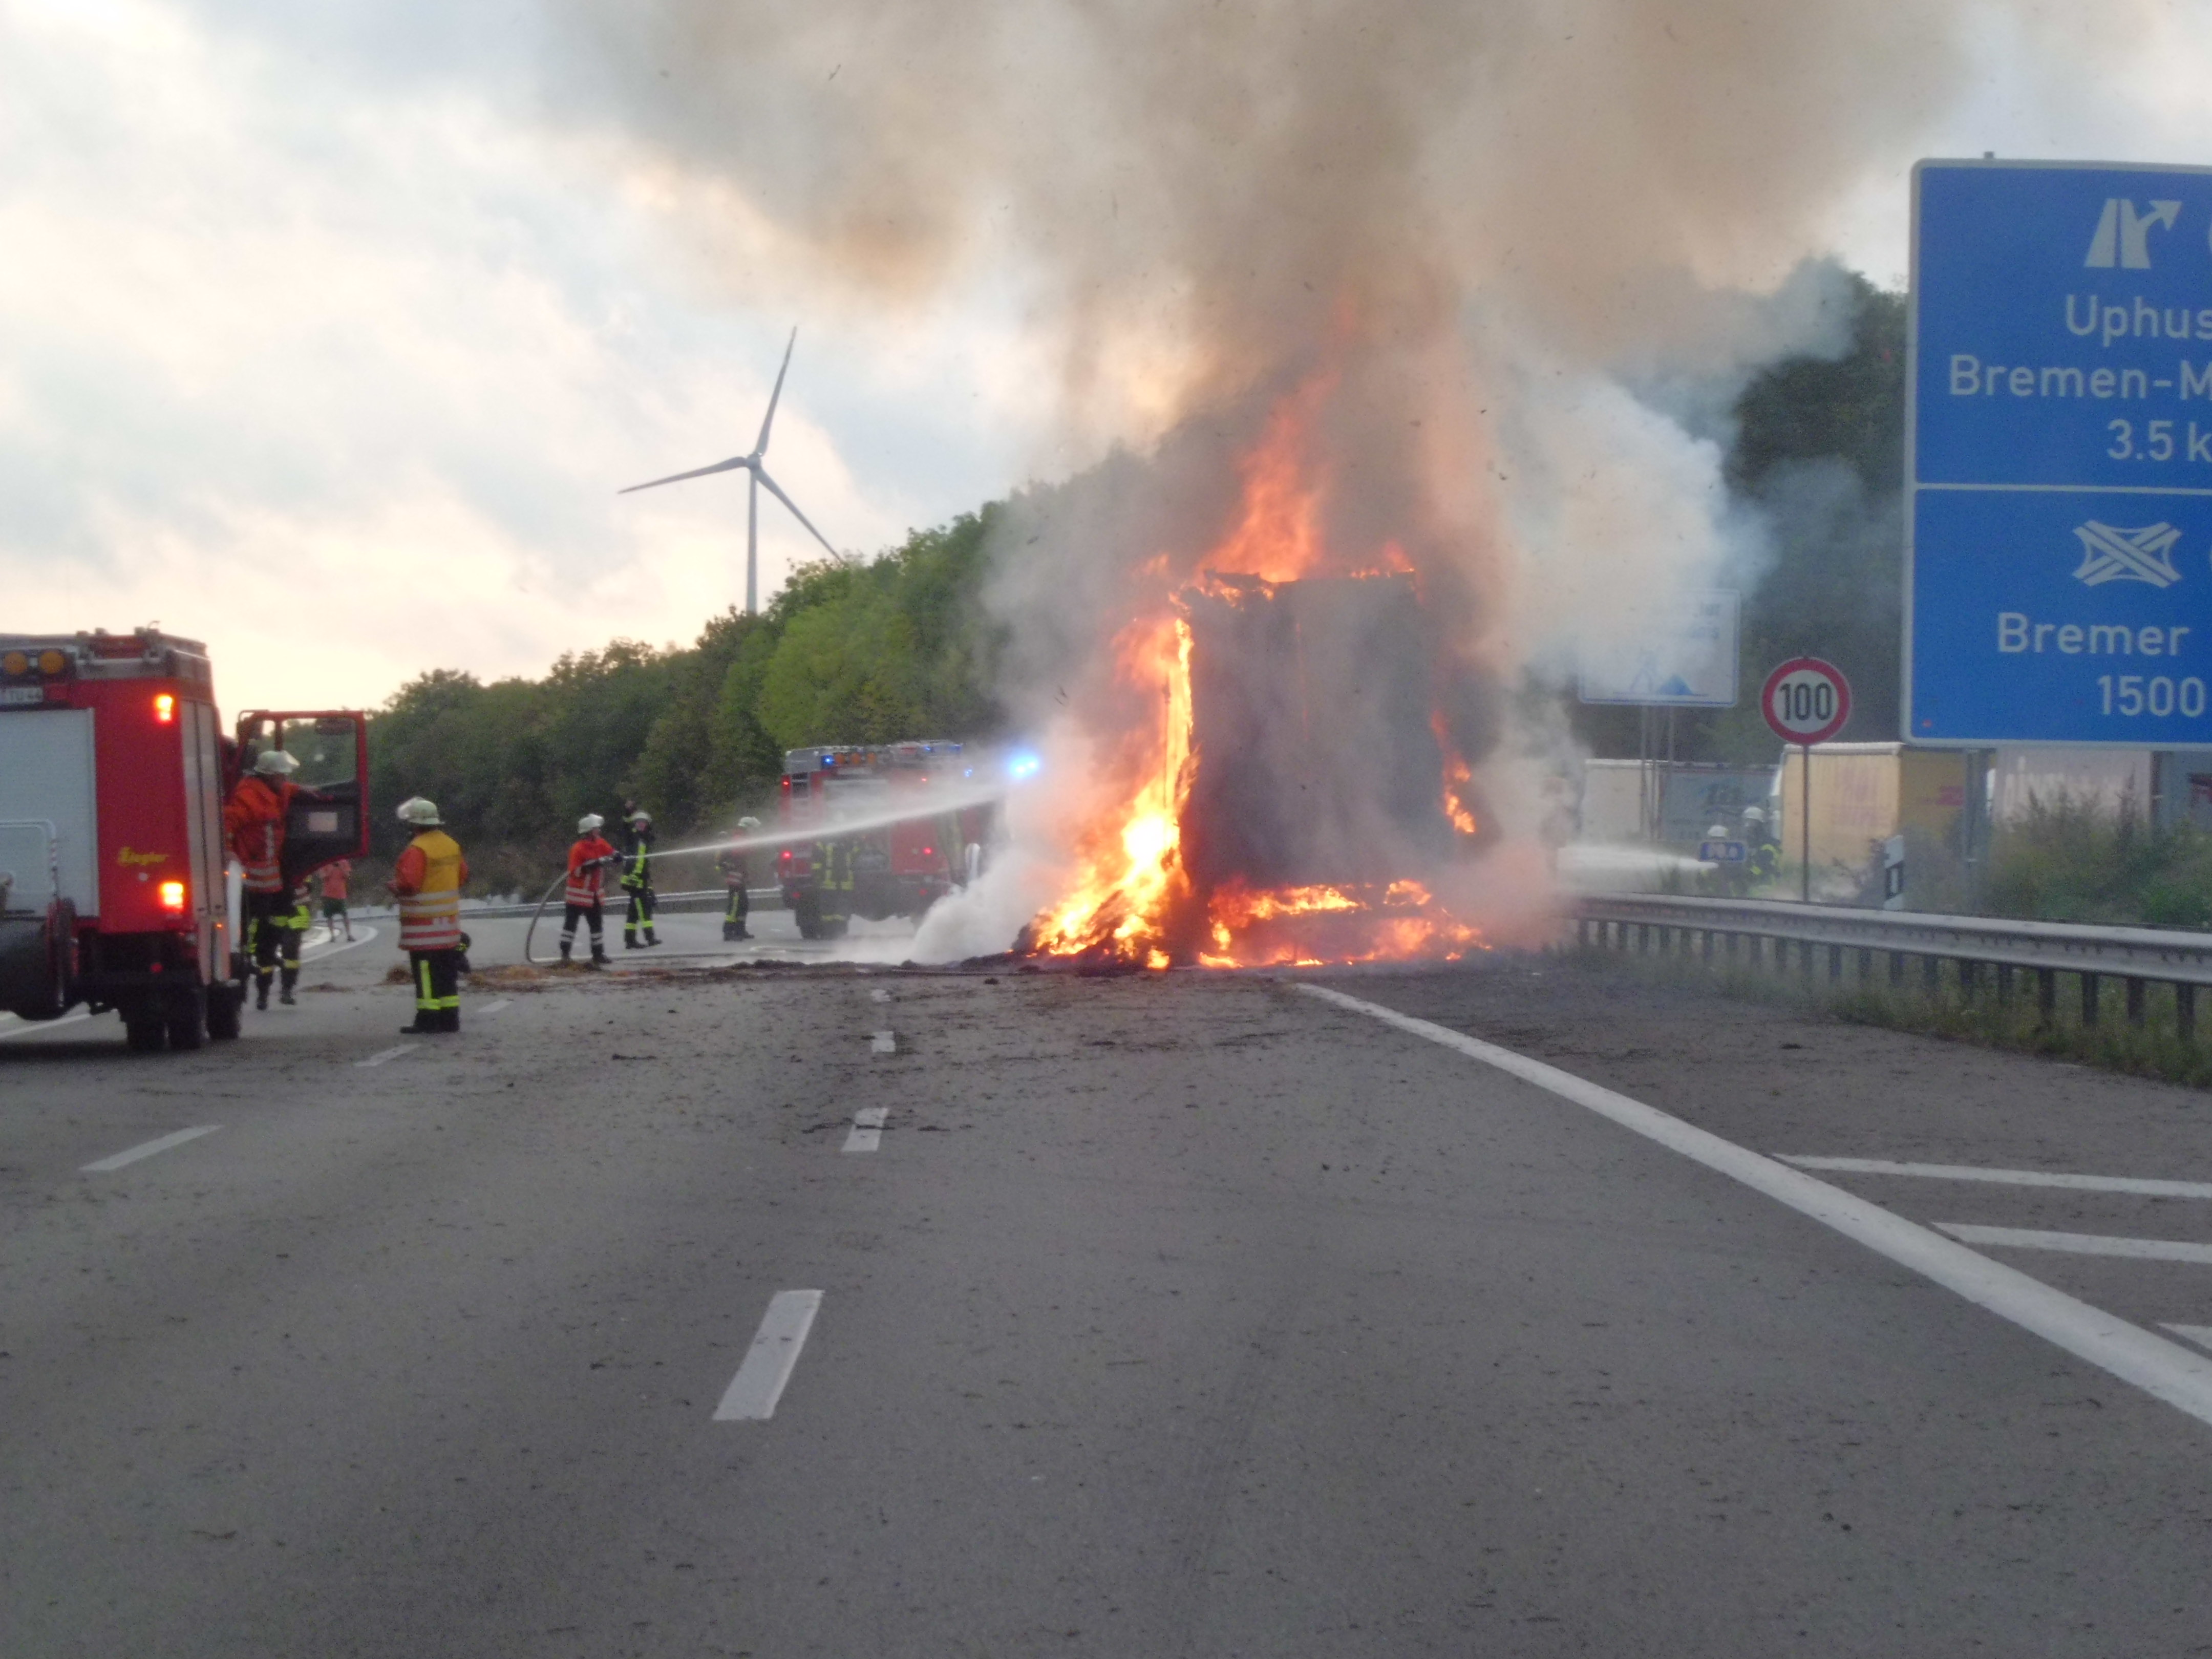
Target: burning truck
x=1305 y=786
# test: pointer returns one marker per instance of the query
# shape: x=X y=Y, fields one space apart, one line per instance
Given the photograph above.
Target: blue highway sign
x=2060 y=503
x=1722 y=852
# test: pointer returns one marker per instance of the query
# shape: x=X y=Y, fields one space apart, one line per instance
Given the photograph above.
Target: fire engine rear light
x=51 y=662
x=173 y=897
x=15 y=663
x=165 y=707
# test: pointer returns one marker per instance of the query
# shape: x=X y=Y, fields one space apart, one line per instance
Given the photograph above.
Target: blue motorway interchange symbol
x=2061 y=463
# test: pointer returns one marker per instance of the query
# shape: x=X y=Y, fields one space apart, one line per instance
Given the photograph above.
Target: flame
x=1132 y=901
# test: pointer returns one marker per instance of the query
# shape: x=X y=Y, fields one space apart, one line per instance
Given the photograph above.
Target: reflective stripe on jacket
x=587 y=877
x=428 y=881
x=253 y=823
x=637 y=872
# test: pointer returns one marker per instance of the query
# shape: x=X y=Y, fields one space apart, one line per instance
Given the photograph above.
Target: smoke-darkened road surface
x=1181 y=1314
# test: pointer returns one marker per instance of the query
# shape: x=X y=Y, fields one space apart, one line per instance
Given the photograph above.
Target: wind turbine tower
x=752 y=464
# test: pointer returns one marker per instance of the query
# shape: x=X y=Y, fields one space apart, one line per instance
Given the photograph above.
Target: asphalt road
x=1172 y=1316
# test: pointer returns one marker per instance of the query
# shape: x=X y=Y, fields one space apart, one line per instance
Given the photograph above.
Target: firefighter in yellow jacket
x=426 y=881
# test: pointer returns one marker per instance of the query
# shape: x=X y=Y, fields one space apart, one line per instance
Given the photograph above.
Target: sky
x=328 y=335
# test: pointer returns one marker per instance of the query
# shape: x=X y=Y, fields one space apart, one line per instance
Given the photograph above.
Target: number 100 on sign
x=1806 y=701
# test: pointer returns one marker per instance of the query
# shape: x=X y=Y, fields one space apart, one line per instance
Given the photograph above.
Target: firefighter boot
x=598 y=954
x=261 y=992
x=291 y=977
x=567 y=945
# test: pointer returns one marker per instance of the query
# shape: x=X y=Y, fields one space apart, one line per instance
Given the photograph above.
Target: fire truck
x=115 y=889
x=897 y=826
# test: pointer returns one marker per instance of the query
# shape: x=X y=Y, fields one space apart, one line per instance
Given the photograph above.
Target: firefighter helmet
x=589 y=823
x=1755 y=815
x=422 y=814
x=640 y=816
x=747 y=824
x=274 y=763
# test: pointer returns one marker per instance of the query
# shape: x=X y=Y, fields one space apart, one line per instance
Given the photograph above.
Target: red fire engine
x=900 y=825
x=113 y=772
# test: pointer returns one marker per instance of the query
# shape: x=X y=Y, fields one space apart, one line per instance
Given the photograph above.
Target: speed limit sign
x=1806 y=701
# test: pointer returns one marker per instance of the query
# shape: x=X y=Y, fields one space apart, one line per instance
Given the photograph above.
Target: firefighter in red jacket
x=589 y=860
x=254 y=824
x=426 y=881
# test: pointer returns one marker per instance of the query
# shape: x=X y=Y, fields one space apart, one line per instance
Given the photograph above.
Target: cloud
x=340 y=371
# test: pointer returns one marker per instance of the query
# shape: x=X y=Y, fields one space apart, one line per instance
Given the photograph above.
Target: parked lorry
x=896 y=826
x=115 y=883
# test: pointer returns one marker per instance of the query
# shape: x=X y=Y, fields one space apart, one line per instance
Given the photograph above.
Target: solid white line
x=392 y=1053
x=2032 y=1238
x=882 y=1043
x=2166 y=1370
x=317 y=953
x=753 y=1392
x=2200 y=1334
x=2080 y=1183
x=149 y=1149
x=867 y=1132
x=879 y=995
x=493 y=1006
x=33 y=1027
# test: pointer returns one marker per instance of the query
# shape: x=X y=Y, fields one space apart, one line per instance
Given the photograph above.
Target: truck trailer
x=115 y=883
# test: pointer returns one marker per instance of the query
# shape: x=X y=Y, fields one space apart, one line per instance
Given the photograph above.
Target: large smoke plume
x=1501 y=259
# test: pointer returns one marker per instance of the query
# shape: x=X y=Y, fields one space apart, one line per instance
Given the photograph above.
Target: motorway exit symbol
x=2060 y=466
x=1806 y=701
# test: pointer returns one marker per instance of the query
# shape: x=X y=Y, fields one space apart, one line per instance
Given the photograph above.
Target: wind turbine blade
x=768 y=419
x=730 y=465
x=768 y=484
x=752 y=541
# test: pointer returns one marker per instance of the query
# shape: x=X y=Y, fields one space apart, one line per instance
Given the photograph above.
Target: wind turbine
x=752 y=464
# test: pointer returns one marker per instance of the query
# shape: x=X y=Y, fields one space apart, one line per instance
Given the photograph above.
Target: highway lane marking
x=2034 y=1239
x=2200 y=1334
x=33 y=1027
x=2080 y=1183
x=148 y=1149
x=867 y=1132
x=318 y=952
x=493 y=1006
x=392 y=1053
x=753 y=1392
x=879 y=996
x=882 y=1043
x=2167 y=1371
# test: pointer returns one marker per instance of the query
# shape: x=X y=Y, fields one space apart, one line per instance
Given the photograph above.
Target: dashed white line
x=882 y=1043
x=2080 y=1183
x=879 y=995
x=392 y=1053
x=867 y=1131
x=2180 y=1377
x=2031 y=1238
x=753 y=1392
x=148 y=1149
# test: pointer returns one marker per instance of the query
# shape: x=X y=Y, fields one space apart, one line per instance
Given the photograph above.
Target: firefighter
x=730 y=862
x=291 y=929
x=588 y=861
x=426 y=881
x=832 y=882
x=637 y=882
x=254 y=824
x=1762 y=858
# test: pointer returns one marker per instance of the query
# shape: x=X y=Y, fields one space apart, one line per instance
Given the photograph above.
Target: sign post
x=1806 y=702
x=2059 y=455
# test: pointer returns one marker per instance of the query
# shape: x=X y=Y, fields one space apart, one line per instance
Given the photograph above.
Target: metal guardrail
x=2138 y=957
x=704 y=898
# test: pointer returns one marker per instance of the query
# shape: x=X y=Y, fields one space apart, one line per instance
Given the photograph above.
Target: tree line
x=847 y=651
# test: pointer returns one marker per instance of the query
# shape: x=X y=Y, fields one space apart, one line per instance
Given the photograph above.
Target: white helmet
x=588 y=823
x=747 y=824
x=1718 y=832
x=1755 y=815
x=274 y=763
x=640 y=816
x=423 y=814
